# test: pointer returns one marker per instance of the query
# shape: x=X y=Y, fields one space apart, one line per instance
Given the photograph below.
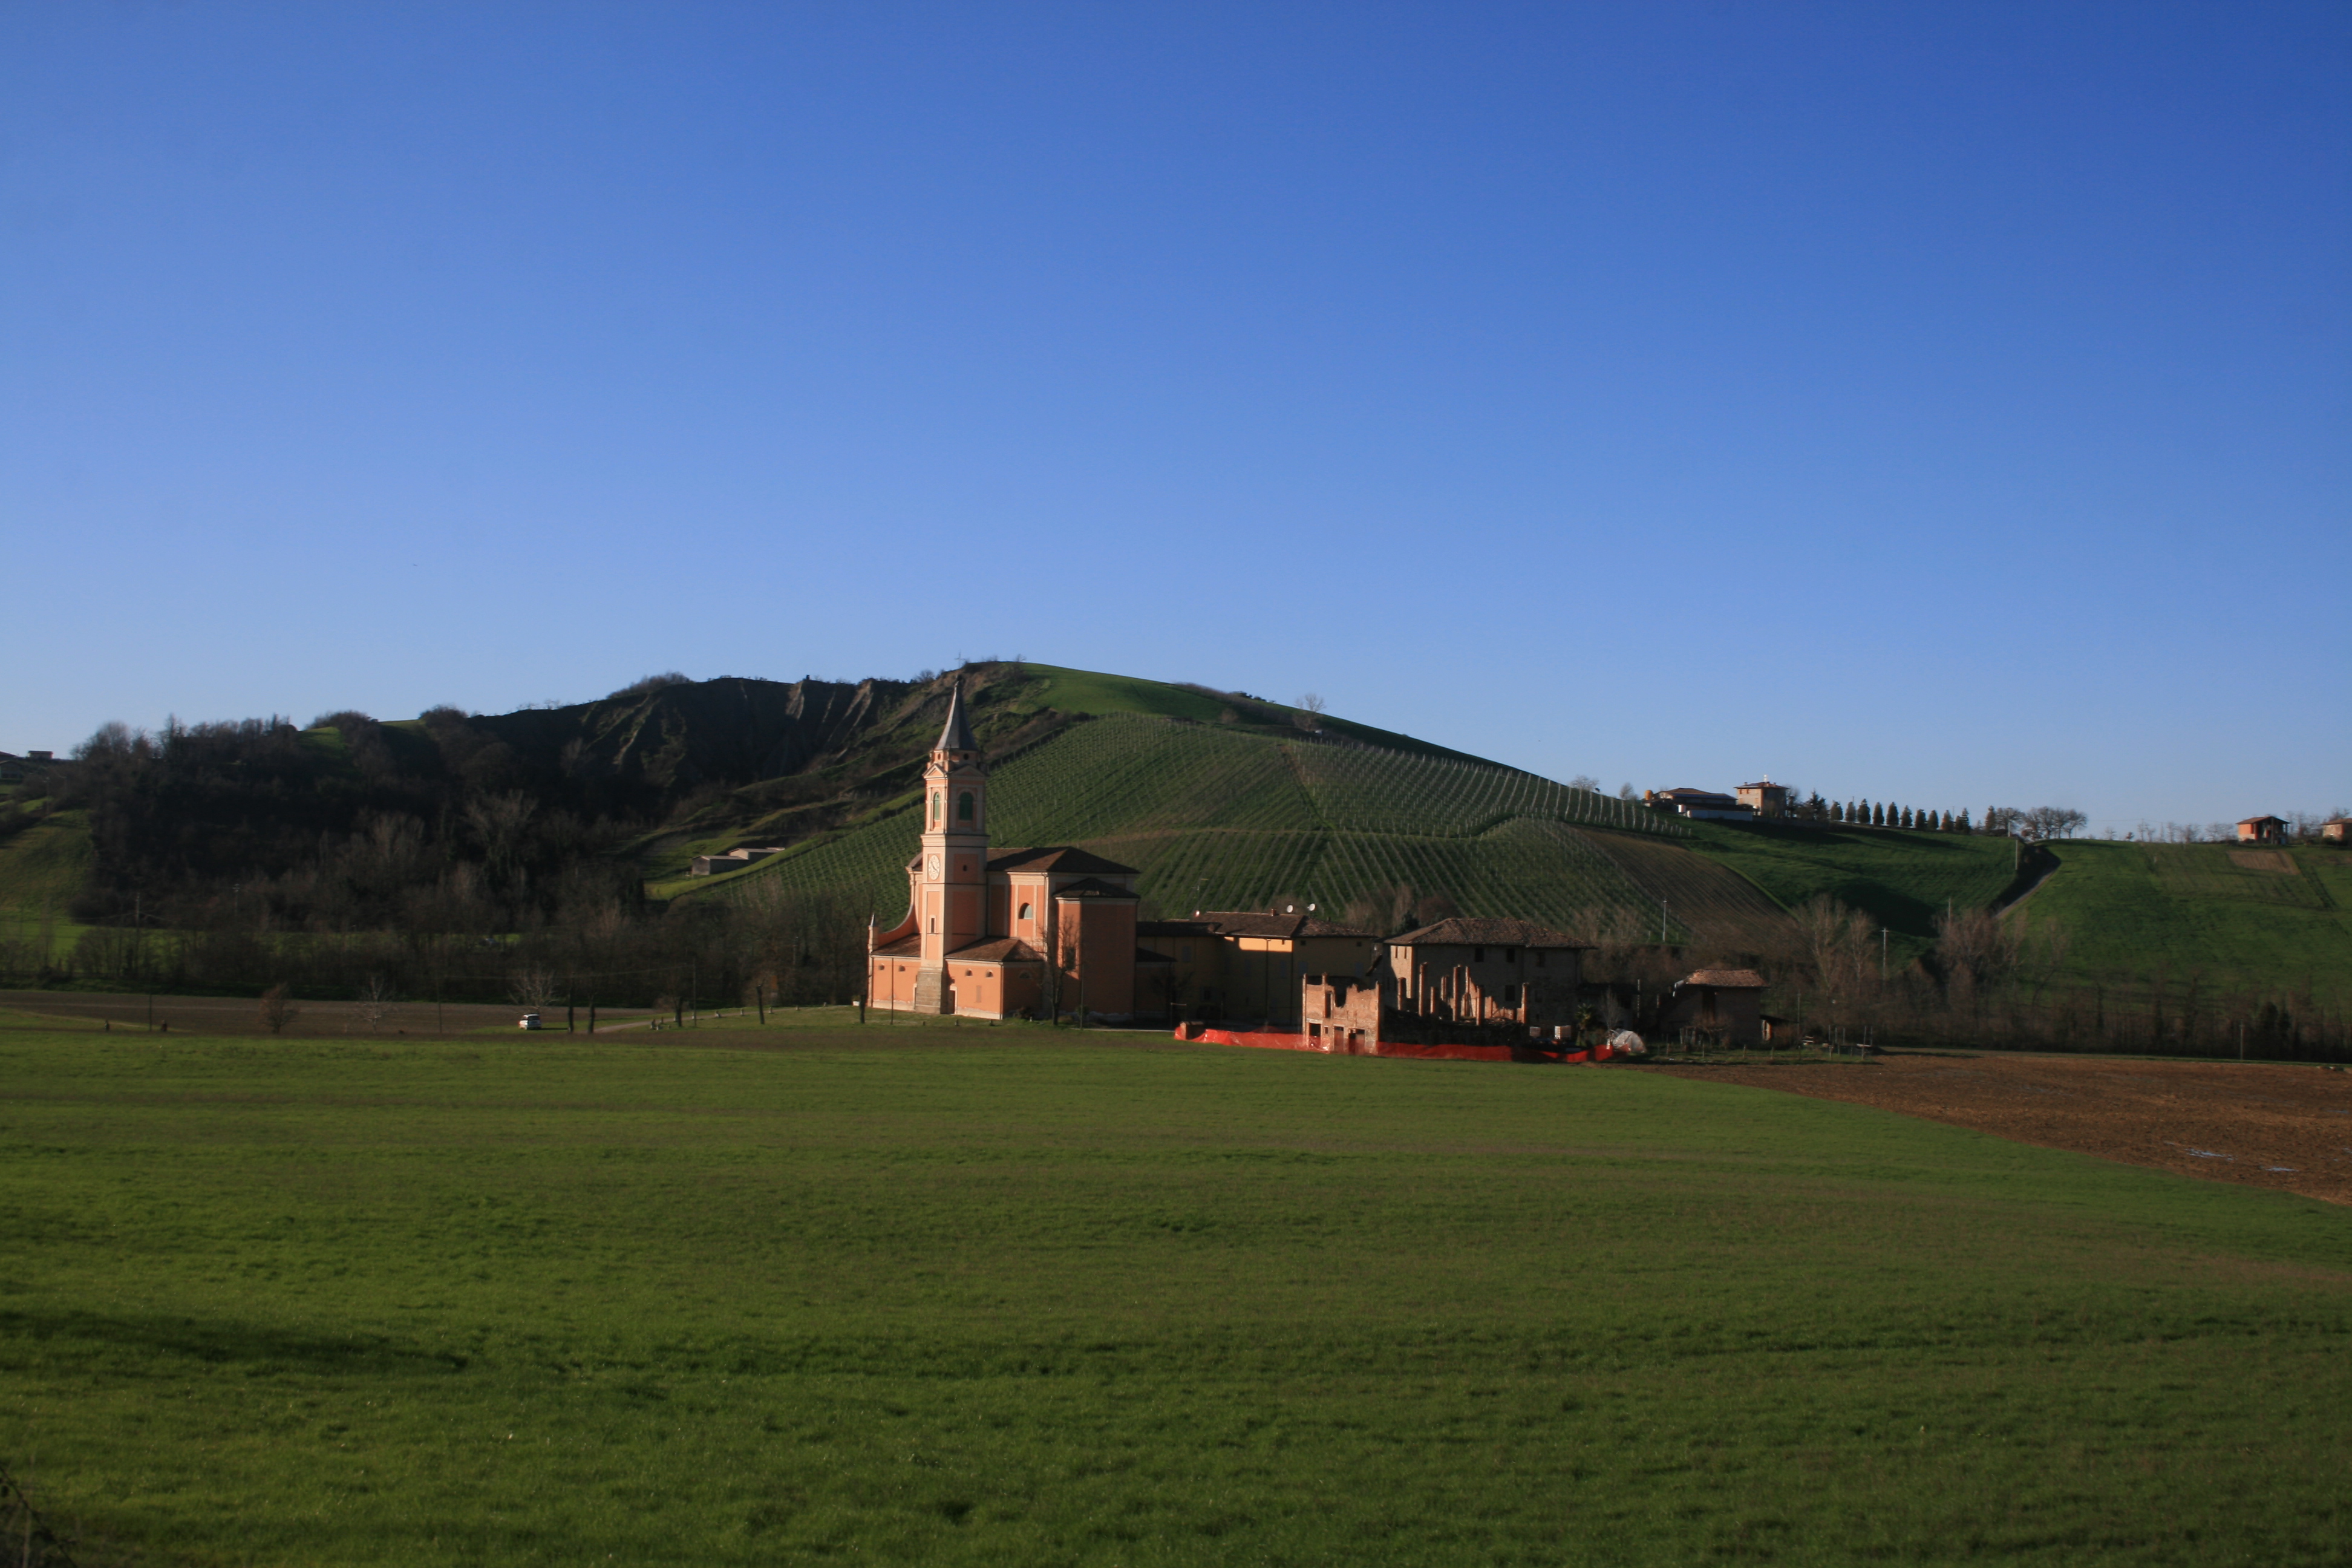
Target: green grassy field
x=1004 y=1296
x=2193 y=908
x=1904 y=880
x=41 y=870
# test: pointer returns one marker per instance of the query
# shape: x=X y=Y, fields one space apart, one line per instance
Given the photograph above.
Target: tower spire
x=957 y=735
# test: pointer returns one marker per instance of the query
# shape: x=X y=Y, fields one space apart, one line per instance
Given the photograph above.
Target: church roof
x=910 y=946
x=1468 y=930
x=997 y=949
x=1060 y=857
x=956 y=734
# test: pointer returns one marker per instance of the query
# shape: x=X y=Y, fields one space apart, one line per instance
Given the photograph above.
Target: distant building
x=2262 y=830
x=2335 y=829
x=40 y=756
x=1765 y=799
x=1705 y=804
x=1726 y=1004
x=733 y=860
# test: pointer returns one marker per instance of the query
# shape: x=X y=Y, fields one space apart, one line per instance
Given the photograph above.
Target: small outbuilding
x=2262 y=830
x=1726 y=1004
x=2335 y=829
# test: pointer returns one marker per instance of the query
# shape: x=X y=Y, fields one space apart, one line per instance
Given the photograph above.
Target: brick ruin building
x=1462 y=978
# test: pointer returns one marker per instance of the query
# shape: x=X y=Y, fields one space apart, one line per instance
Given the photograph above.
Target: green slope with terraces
x=1215 y=816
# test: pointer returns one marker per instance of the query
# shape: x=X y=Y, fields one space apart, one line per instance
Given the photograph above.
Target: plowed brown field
x=2267 y=1125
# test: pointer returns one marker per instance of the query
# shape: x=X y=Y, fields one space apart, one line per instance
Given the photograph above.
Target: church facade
x=1007 y=933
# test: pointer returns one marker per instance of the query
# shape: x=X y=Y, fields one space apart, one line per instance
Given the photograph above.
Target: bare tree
x=278 y=1009
x=2048 y=822
x=1309 y=716
x=1585 y=781
x=374 y=1005
x=533 y=990
x=1837 y=942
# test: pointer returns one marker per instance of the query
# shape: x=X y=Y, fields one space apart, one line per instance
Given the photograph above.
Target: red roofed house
x=1725 y=1003
x=982 y=928
x=2262 y=830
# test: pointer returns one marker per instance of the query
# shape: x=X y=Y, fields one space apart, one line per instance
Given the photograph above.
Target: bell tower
x=951 y=873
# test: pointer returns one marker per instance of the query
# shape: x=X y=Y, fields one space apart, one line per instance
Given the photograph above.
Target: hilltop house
x=1705 y=804
x=2334 y=829
x=1765 y=798
x=2262 y=830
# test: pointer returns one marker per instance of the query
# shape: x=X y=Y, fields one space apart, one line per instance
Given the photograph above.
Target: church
x=1007 y=933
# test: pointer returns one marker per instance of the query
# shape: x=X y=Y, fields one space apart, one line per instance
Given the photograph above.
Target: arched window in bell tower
x=963 y=806
x=939 y=802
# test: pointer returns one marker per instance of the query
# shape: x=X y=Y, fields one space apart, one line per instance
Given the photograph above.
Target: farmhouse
x=1455 y=977
x=1257 y=962
x=2262 y=830
x=1013 y=932
x=2334 y=829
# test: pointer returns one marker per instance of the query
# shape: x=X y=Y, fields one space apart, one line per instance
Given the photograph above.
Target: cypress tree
x=1910 y=817
x=1878 y=814
x=1965 y=828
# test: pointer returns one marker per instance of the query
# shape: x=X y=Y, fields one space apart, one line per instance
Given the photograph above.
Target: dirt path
x=2266 y=1124
x=314 y=1020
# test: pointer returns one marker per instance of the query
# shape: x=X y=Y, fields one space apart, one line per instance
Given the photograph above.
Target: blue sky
x=1947 y=404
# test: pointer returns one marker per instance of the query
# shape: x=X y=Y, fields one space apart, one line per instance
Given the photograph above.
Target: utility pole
x=1662 y=923
x=1882 y=955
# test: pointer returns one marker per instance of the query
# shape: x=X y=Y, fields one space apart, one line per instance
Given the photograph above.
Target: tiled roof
x=1727 y=979
x=1059 y=857
x=1469 y=930
x=1091 y=888
x=2250 y=821
x=997 y=949
x=905 y=947
x=1251 y=922
x=1175 y=928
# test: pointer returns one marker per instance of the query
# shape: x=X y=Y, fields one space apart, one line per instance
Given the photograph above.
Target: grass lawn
x=924 y=1294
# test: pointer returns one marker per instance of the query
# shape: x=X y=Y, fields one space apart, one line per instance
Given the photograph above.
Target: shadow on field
x=215 y=1341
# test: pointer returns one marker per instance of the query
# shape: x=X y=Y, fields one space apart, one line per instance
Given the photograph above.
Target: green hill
x=2235 y=917
x=1903 y=880
x=1220 y=818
